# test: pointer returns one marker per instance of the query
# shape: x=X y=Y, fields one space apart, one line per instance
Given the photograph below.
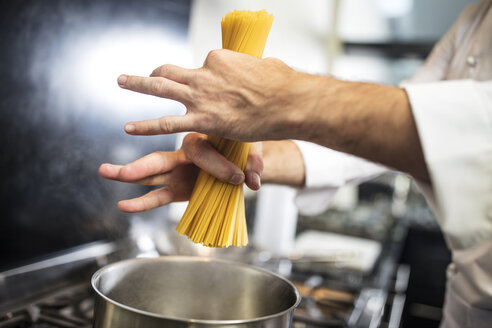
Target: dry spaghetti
x=215 y=215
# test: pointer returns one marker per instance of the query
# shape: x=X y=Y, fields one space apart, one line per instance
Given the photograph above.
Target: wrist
x=311 y=97
x=282 y=163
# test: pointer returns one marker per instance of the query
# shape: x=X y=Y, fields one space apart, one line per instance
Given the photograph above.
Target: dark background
x=54 y=135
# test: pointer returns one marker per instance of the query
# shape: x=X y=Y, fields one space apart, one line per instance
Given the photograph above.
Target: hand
x=245 y=98
x=177 y=172
x=233 y=95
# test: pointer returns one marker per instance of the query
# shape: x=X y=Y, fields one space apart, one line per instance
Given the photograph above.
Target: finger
x=113 y=172
x=151 y=200
x=172 y=72
x=145 y=170
x=156 y=86
x=254 y=166
x=155 y=180
x=163 y=125
x=205 y=156
x=109 y=171
x=155 y=163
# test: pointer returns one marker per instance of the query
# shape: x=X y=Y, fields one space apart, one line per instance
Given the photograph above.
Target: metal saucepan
x=180 y=291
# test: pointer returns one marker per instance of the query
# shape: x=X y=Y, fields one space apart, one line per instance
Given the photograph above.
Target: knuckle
x=164 y=70
x=225 y=173
x=189 y=139
x=196 y=153
x=156 y=87
x=187 y=97
x=156 y=71
x=274 y=61
x=256 y=162
x=156 y=156
x=213 y=56
x=164 y=125
x=231 y=169
x=200 y=80
x=198 y=148
x=202 y=143
x=190 y=144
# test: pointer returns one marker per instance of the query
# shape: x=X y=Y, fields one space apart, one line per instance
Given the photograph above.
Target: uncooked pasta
x=215 y=215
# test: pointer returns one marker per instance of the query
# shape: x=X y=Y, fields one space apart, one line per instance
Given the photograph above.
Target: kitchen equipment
x=179 y=291
x=275 y=219
x=358 y=254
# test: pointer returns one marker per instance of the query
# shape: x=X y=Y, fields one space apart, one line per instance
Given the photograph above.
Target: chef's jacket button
x=471 y=61
x=451 y=270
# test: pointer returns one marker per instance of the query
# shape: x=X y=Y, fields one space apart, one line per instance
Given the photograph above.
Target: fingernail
x=129 y=128
x=256 y=179
x=237 y=179
x=122 y=80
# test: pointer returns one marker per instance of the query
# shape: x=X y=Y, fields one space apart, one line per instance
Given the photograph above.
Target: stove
x=56 y=292
x=71 y=307
x=320 y=307
x=324 y=304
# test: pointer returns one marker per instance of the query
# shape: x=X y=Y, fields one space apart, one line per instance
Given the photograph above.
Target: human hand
x=177 y=172
x=233 y=95
x=249 y=99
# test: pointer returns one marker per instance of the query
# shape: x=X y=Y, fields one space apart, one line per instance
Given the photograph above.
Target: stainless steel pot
x=180 y=291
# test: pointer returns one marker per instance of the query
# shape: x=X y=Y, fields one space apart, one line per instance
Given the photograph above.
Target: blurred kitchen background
x=375 y=258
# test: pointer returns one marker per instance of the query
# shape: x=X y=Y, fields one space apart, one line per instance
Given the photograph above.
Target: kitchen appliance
x=179 y=291
x=55 y=292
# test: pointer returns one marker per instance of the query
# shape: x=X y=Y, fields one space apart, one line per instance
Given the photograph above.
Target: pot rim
x=176 y=258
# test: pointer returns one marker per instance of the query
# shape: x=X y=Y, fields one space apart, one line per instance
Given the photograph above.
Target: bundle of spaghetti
x=215 y=215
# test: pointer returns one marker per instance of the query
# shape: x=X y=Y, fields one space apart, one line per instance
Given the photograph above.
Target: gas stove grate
x=71 y=307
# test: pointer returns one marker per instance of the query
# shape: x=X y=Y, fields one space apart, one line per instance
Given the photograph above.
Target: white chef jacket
x=451 y=100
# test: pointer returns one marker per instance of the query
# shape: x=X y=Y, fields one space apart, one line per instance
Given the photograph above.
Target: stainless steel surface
x=27 y=283
x=369 y=309
x=66 y=308
x=178 y=291
x=56 y=136
x=91 y=251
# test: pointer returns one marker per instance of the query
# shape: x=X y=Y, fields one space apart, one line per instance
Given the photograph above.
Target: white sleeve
x=326 y=171
x=454 y=122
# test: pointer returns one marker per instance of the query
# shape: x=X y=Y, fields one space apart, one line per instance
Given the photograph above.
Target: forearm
x=244 y=98
x=371 y=121
x=283 y=163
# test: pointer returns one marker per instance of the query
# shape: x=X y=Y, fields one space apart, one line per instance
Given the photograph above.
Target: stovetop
x=328 y=301
x=71 y=307
x=321 y=306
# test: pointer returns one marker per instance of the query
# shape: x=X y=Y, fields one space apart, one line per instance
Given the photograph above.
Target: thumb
x=254 y=166
x=163 y=125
